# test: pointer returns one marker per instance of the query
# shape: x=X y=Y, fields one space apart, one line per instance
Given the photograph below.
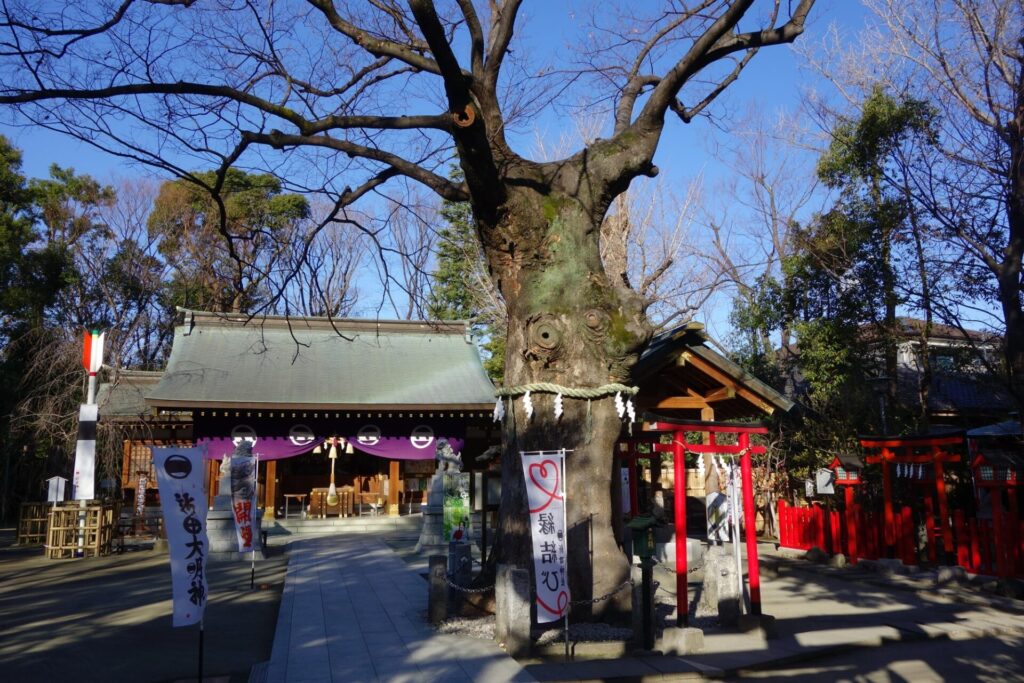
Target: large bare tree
x=965 y=60
x=367 y=91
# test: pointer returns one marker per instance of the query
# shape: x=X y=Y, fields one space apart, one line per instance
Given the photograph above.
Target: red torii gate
x=921 y=450
x=678 y=448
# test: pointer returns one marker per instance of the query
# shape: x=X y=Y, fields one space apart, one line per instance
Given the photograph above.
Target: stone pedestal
x=637 y=612
x=432 y=533
x=460 y=563
x=512 y=609
x=680 y=641
x=720 y=596
x=220 y=530
x=762 y=624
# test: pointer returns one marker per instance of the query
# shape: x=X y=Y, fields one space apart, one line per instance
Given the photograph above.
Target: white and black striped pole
x=83 y=484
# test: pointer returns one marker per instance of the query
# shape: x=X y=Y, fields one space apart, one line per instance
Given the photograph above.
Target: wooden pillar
x=947 y=532
x=393 y=476
x=682 y=587
x=889 y=520
x=634 y=485
x=750 y=520
x=270 y=490
x=929 y=526
x=998 y=532
x=851 y=526
x=126 y=456
x=212 y=476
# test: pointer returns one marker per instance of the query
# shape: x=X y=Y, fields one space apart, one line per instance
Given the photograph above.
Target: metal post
x=200 y=651
x=255 y=513
x=734 y=504
x=647 y=579
x=565 y=525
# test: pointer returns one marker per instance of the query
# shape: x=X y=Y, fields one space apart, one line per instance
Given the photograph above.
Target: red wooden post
x=1017 y=550
x=682 y=588
x=963 y=543
x=783 y=524
x=909 y=536
x=749 y=519
x=972 y=526
x=837 y=532
x=819 y=515
x=998 y=534
x=887 y=495
x=851 y=527
x=929 y=526
x=634 y=486
x=940 y=488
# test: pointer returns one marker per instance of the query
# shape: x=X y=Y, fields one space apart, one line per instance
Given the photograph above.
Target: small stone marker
x=720 y=596
x=512 y=613
x=437 y=597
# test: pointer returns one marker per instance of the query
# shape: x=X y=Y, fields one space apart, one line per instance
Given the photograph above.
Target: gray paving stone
x=352 y=611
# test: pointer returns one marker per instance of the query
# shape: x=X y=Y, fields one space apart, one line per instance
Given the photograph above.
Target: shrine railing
x=980 y=546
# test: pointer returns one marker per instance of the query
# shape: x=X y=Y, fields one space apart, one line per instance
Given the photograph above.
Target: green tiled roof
x=220 y=360
x=124 y=396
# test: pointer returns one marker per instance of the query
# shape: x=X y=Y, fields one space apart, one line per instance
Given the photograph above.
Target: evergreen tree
x=461 y=289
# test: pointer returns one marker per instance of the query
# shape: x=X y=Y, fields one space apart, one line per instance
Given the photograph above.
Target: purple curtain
x=276 y=438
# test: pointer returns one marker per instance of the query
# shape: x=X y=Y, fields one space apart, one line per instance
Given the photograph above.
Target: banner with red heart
x=545 y=492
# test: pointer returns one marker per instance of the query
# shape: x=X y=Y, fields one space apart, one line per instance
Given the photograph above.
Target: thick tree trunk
x=571 y=326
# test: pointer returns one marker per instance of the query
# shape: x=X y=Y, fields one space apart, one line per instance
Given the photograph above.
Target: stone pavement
x=353 y=612
x=819 y=613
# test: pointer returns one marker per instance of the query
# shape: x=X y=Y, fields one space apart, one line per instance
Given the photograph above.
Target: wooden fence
x=76 y=531
x=32 y=523
x=979 y=547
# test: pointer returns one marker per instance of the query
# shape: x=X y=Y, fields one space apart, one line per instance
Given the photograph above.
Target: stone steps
x=382 y=524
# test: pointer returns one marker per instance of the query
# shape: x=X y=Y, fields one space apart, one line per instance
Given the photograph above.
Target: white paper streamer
x=631 y=411
x=528 y=405
x=620 y=407
x=499 y=410
x=558 y=406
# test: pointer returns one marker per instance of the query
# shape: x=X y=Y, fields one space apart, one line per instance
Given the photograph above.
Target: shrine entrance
x=380 y=463
x=668 y=435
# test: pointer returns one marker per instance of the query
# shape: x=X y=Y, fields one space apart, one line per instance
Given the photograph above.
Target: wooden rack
x=65 y=528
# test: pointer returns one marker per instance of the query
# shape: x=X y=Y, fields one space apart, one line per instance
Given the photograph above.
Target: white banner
x=180 y=474
x=243 y=498
x=83 y=483
x=545 y=494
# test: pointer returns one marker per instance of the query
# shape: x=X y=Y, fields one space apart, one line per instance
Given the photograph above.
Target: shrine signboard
x=545 y=491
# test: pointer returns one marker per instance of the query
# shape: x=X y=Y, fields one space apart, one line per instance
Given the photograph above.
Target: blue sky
x=773 y=81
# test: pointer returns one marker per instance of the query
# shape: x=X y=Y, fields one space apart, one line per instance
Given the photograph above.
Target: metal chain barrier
x=466 y=589
x=606 y=596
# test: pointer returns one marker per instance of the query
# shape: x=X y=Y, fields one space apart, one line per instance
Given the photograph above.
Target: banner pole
x=255 y=512
x=200 y=679
x=565 y=525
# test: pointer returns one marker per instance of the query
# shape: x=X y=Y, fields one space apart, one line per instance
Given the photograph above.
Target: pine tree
x=462 y=290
